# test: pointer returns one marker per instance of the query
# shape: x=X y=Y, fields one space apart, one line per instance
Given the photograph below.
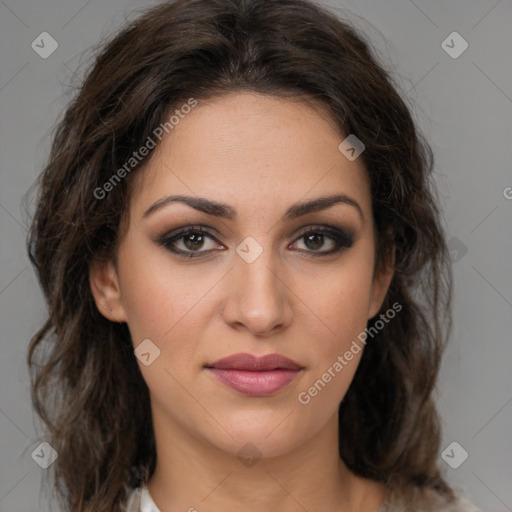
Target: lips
x=255 y=376
x=252 y=363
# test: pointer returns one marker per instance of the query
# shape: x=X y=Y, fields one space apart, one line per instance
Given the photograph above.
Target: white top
x=140 y=501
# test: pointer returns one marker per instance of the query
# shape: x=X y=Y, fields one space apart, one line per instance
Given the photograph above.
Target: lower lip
x=261 y=383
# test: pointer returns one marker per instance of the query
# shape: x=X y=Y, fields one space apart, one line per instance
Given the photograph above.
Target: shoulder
x=463 y=503
x=133 y=501
x=428 y=500
x=139 y=500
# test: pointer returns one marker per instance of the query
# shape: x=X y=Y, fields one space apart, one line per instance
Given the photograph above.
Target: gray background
x=463 y=105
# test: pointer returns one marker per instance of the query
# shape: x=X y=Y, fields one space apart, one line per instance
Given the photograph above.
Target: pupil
x=196 y=238
x=312 y=237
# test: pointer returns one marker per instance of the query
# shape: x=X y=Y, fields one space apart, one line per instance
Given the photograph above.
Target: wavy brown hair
x=86 y=385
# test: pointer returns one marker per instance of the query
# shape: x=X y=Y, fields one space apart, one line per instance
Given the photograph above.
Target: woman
x=248 y=284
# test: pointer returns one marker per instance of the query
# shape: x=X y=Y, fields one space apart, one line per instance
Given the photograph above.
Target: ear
x=380 y=284
x=105 y=289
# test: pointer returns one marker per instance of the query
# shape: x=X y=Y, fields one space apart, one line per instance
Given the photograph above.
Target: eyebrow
x=225 y=211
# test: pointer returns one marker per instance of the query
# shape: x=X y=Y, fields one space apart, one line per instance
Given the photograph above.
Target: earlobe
x=105 y=289
x=380 y=285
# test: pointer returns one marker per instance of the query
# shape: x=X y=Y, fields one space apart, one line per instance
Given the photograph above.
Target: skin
x=260 y=154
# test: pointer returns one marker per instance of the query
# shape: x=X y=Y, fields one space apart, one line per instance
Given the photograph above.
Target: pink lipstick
x=255 y=376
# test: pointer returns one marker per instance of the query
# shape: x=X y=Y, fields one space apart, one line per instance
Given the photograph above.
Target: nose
x=258 y=299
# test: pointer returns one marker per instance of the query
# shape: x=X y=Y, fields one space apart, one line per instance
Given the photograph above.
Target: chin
x=262 y=437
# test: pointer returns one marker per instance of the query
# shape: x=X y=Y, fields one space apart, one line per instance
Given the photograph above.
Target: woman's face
x=255 y=284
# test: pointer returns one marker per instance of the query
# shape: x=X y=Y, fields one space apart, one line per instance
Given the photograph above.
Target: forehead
x=252 y=151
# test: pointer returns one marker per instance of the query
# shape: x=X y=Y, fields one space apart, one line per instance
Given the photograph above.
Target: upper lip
x=254 y=363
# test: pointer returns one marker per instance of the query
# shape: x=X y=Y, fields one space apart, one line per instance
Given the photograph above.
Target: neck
x=192 y=474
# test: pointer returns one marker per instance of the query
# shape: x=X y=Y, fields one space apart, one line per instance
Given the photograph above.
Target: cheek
x=157 y=294
x=344 y=302
x=338 y=350
x=339 y=301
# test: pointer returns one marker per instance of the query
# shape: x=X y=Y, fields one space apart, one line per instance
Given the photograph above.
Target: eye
x=188 y=242
x=195 y=241
x=316 y=238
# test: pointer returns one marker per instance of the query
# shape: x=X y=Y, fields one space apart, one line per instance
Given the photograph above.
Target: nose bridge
x=259 y=297
x=257 y=271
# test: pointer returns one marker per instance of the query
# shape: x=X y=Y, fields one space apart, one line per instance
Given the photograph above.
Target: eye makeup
x=197 y=235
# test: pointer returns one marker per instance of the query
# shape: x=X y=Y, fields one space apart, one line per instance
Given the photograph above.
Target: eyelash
x=342 y=240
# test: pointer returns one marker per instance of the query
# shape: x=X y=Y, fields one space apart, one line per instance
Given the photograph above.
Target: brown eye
x=194 y=241
x=188 y=242
x=315 y=239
